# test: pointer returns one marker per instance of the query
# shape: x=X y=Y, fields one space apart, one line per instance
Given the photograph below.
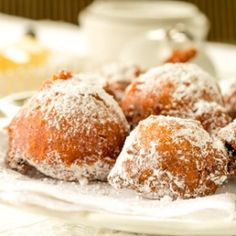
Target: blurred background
x=221 y=13
x=41 y=37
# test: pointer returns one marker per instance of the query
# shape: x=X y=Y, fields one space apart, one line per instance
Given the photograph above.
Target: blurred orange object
x=27 y=51
x=181 y=55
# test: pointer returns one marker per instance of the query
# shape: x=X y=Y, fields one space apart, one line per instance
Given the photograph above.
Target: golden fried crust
x=138 y=105
x=116 y=89
x=35 y=135
x=167 y=156
x=172 y=89
x=230 y=101
x=228 y=136
x=212 y=116
x=118 y=77
x=66 y=143
x=61 y=75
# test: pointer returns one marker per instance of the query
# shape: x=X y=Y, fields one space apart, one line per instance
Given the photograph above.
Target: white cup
x=112 y=26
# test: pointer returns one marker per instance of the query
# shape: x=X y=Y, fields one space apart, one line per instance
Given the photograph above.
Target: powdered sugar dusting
x=117 y=77
x=170 y=89
x=212 y=115
x=70 y=198
x=190 y=130
x=139 y=165
x=228 y=133
x=95 y=79
x=188 y=80
x=81 y=173
x=63 y=100
x=202 y=107
x=230 y=96
x=117 y=72
x=71 y=108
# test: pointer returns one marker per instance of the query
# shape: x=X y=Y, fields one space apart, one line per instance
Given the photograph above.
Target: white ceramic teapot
x=136 y=31
x=156 y=46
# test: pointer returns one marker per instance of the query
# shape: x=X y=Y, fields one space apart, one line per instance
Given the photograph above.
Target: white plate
x=222 y=55
x=140 y=225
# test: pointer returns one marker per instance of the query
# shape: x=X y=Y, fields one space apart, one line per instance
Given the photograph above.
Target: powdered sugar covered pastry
x=70 y=130
x=230 y=99
x=212 y=115
x=228 y=136
x=170 y=89
x=169 y=156
x=118 y=76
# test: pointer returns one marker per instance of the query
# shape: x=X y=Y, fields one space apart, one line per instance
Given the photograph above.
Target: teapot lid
x=144 y=10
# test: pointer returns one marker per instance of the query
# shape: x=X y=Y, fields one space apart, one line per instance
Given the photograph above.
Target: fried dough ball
x=70 y=130
x=169 y=156
x=230 y=100
x=228 y=136
x=171 y=89
x=211 y=115
x=118 y=77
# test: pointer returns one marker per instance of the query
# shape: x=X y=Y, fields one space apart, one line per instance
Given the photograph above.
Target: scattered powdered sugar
x=71 y=107
x=139 y=164
x=230 y=96
x=219 y=180
x=66 y=98
x=218 y=144
x=95 y=79
x=117 y=72
x=173 y=89
x=190 y=130
x=228 y=133
x=202 y=107
x=69 y=198
x=188 y=79
x=227 y=84
x=81 y=173
x=212 y=115
x=118 y=77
